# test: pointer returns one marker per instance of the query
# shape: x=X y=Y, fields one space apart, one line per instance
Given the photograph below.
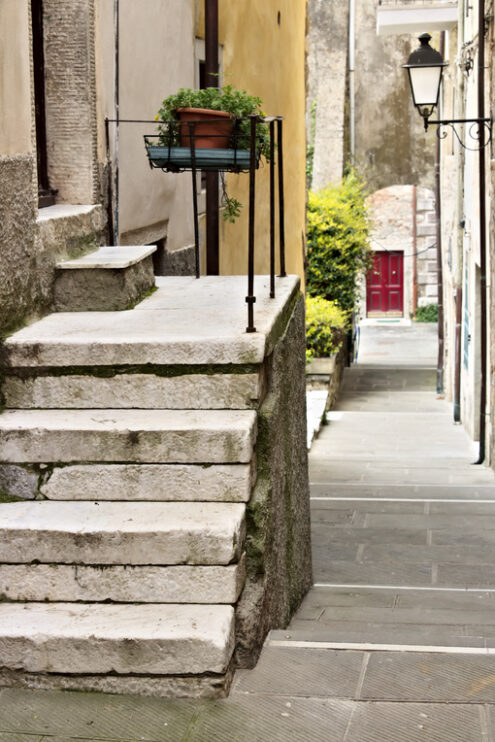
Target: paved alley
x=396 y=640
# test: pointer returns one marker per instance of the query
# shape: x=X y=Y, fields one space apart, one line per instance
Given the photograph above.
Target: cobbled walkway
x=396 y=640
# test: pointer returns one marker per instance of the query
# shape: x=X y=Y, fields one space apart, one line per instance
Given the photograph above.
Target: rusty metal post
x=272 y=209
x=250 y=298
x=212 y=181
x=192 y=146
x=281 y=196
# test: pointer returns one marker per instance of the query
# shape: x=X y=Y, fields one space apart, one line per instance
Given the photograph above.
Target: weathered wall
x=390 y=141
x=327 y=88
x=263 y=53
x=278 y=546
x=19 y=279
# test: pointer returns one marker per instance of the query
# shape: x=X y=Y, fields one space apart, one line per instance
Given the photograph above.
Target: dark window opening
x=46 y=195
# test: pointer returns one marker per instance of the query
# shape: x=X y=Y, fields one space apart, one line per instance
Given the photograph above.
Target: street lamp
x=425 y=67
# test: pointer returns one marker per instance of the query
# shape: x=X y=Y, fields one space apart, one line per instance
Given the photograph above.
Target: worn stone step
x=147 y=482
x=122 y=584
x=129 y=436
x=151 y=533
x=109 y=279
x=124 y=389
x=123 y=639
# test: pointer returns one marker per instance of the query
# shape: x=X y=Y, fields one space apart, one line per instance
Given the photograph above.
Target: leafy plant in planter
x=237 y=103
x=326 y=326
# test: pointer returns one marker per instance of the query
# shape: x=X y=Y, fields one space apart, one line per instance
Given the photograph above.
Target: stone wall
x=279 y=543
x=70 y=96
x=22 y=289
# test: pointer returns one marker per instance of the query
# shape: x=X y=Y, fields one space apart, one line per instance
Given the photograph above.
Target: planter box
x=179 y=158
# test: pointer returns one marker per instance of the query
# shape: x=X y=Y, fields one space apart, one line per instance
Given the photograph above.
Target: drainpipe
x=482 y=210
x=438 y=222
x=352 y=91
x=212 y=181
x=459 y=270
x=415 y=249
x=116 y=12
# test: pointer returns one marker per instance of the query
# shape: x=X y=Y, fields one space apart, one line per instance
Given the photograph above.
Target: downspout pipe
x=415 y=249
x=352 y=89
x=438 y=225
x=212 y=180
x=482 y=210
x=116 y=177
x=459 y=267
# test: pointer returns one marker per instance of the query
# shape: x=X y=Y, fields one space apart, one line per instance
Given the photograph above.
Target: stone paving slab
x=302 y=672
x=358 y=635
x=383 y=401
x=387 y=722
x=400 y=491
x=429 y=677
x=352 y=573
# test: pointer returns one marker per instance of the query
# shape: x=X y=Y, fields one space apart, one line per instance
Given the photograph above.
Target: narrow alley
x=396 y=640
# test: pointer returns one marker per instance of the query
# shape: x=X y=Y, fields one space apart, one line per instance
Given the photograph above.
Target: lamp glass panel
x=425 y=82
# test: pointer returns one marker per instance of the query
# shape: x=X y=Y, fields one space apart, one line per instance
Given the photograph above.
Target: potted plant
x=221 y=122
x=215 y=110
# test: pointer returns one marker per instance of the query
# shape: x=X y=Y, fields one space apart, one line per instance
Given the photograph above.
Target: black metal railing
x=251 y=137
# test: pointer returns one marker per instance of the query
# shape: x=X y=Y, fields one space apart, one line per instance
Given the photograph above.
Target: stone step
x=128 y=436
x=152 y=482
x=131 y=389
x=109 y=279
x=149 y=533
x=122 y=584
x=121 y=639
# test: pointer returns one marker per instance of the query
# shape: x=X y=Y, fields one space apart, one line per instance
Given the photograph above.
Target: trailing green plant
x=236 y=102
x=428 y=313
x=338 y=241
x=326 y=326
x=310 y=149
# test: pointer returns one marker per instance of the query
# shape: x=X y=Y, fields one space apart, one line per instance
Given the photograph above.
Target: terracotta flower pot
x=213 y=129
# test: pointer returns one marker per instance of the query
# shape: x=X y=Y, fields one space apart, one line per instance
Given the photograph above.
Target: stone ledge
x=98 y=533
x=185 y=322
x=123 y=639
x=128 y=436
x=122 y=584
x=107 y=257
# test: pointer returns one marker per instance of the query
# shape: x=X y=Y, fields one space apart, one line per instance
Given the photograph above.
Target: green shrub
x=428 y=313
x=326 y=325
x=338 y=248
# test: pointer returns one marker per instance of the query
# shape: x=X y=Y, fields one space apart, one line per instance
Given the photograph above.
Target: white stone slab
x=108 y=257
x=148 y=436
x=160 y=533
x=64 y=211
x=316 y=403
x=185 y=322
x=123 y=639
x=71 y=583
x=142 y=391
x=158 y=482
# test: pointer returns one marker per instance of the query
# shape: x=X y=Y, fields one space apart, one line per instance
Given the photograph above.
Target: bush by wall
x=338 y=247
x=428 y=313
x=326 y=325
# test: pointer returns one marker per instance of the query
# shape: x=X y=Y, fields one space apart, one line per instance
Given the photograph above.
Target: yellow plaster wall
x=267 y=59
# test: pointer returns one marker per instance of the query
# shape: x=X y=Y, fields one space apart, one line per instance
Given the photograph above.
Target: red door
x=385 y=284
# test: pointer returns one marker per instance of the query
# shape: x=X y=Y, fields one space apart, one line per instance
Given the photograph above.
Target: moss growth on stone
x=108 y=372
x=6 y=497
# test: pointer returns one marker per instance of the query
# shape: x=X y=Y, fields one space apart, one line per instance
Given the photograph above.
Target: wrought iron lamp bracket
x=478 y=130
